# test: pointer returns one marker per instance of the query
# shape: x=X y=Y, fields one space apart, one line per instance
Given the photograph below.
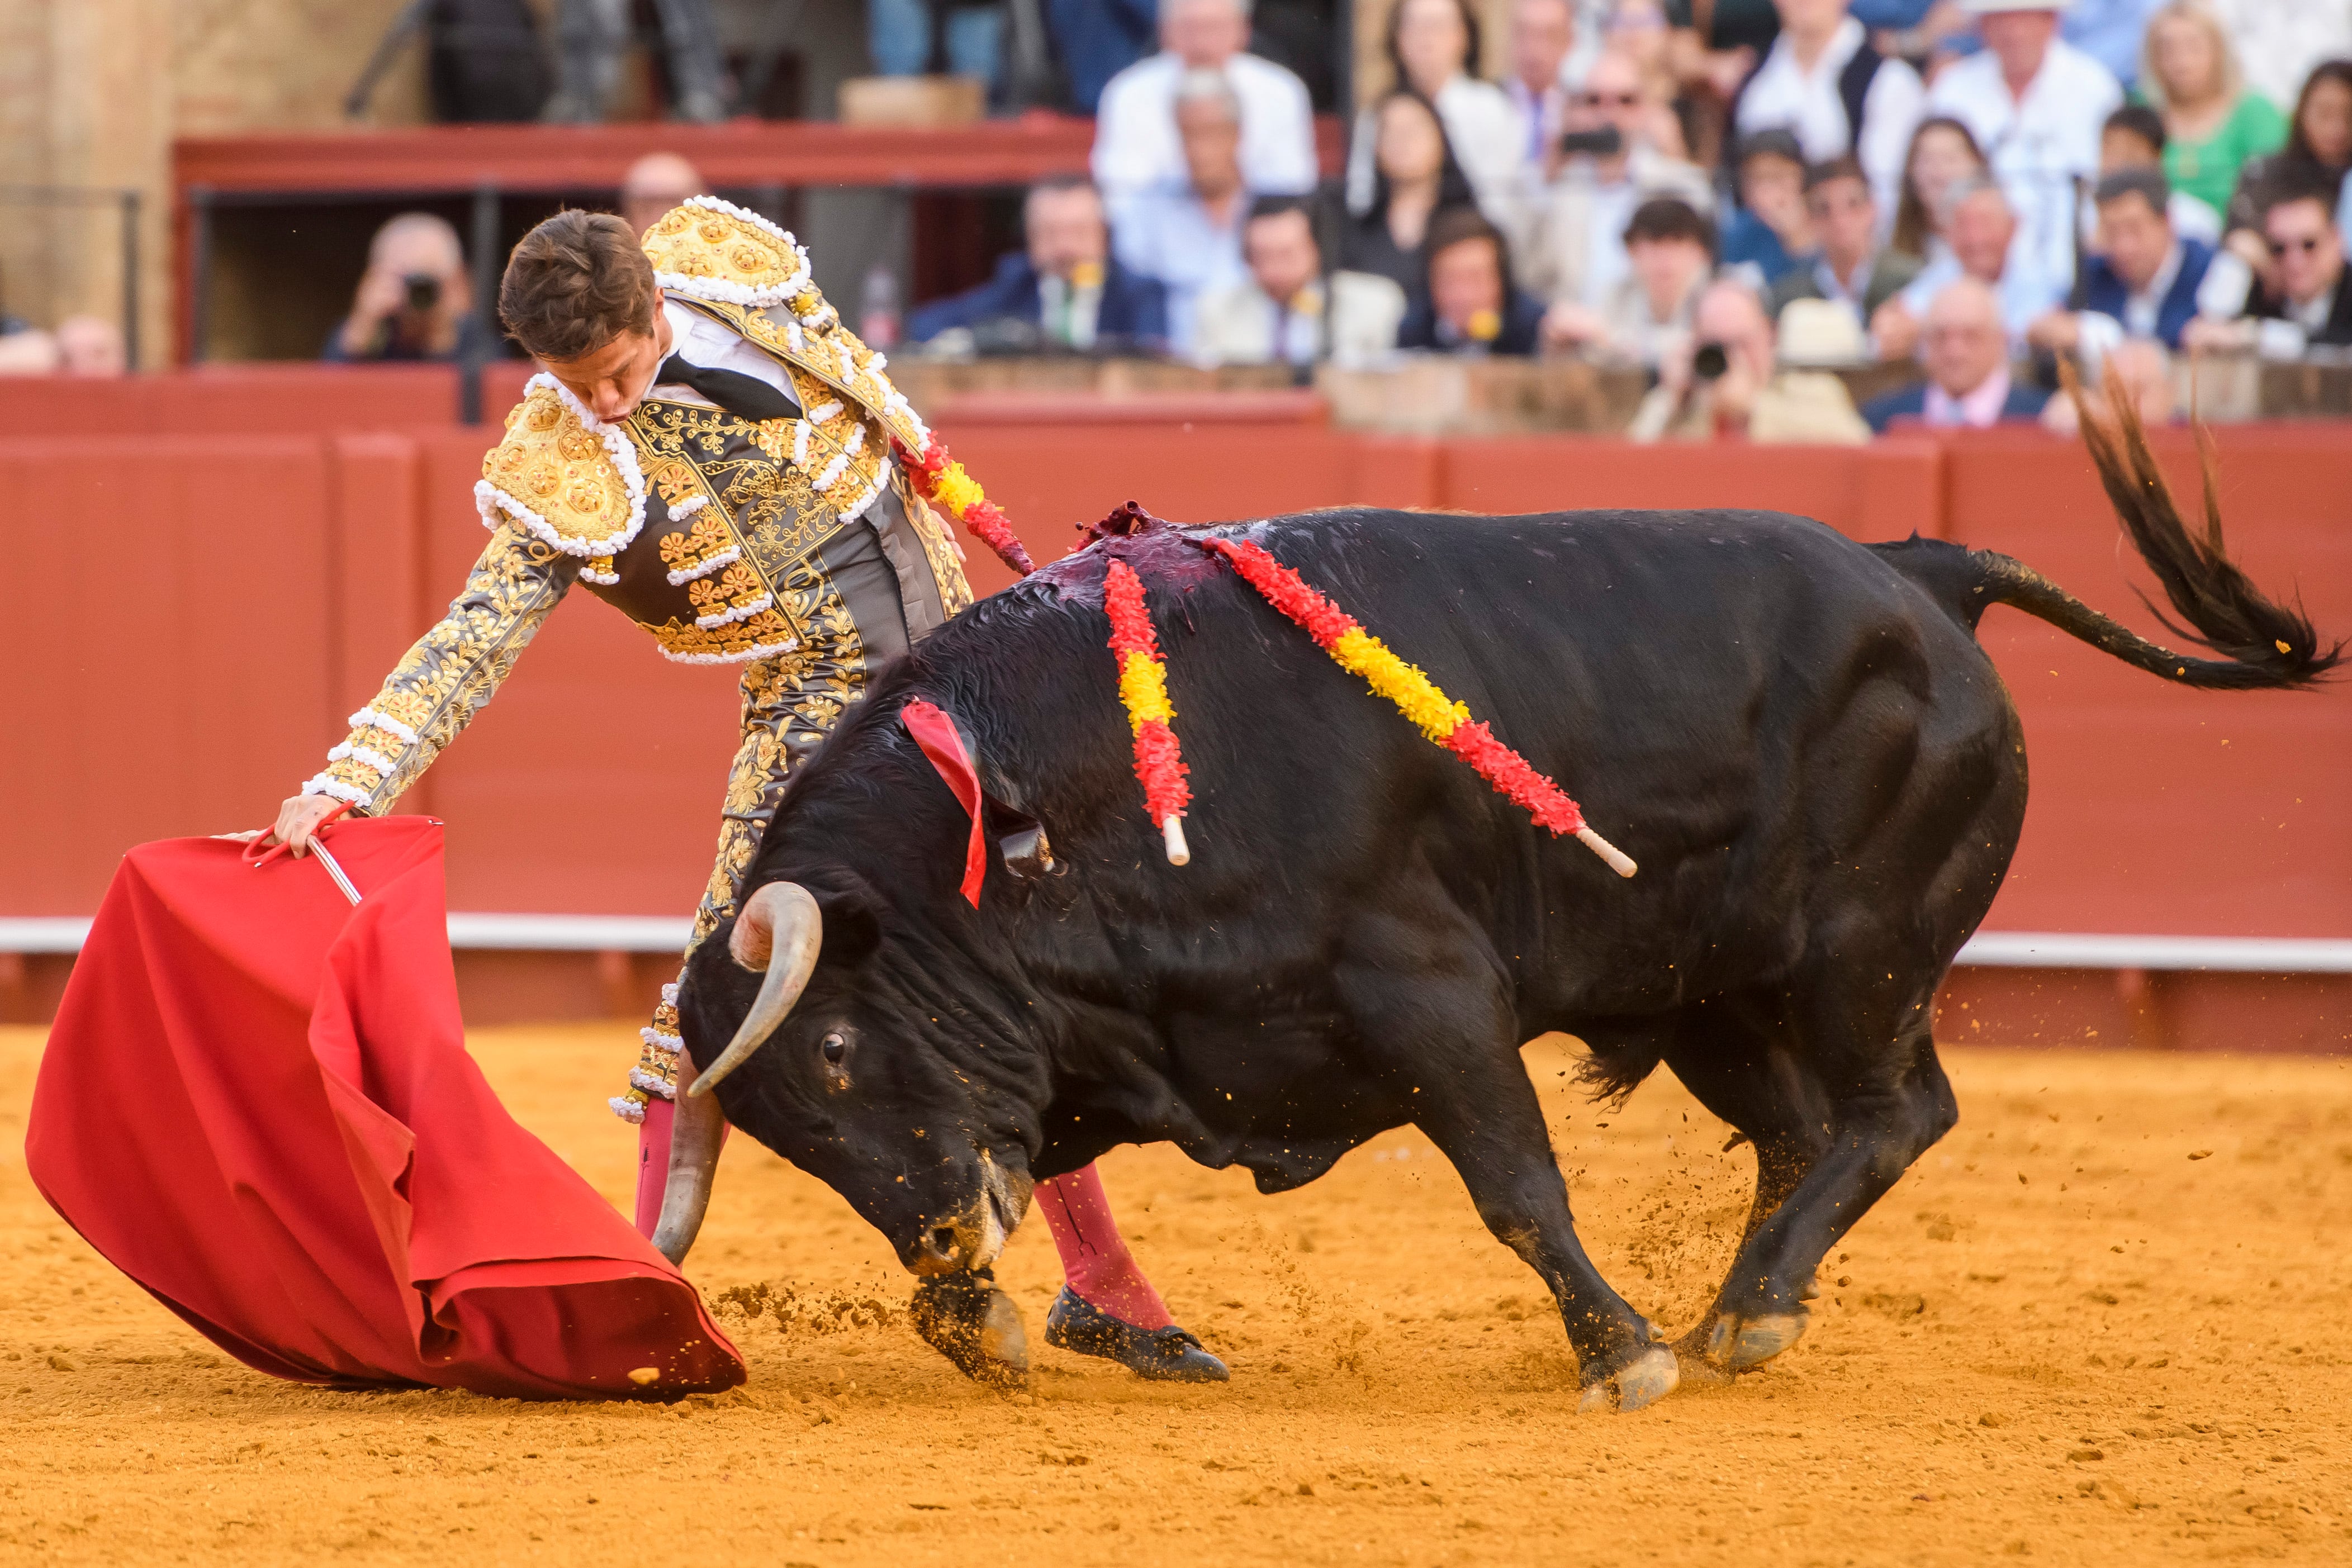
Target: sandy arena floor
x=2103 y=1322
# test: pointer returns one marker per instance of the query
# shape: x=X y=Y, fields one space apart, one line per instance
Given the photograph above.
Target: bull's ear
x=853 y=923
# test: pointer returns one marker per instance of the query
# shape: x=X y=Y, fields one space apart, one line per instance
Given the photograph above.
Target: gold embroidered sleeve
x=443 y=682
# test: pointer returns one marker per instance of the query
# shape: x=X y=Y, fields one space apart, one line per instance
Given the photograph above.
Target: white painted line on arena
x=571 y=933
x=477 y=932
x=43 y=936
x=1989 y=949
x=2076 y=950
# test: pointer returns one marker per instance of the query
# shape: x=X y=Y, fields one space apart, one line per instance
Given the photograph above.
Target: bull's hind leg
x=1743 y=1070
x=1860 y=1095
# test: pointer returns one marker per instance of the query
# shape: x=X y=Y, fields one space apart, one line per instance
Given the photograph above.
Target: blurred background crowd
x=1750 y=203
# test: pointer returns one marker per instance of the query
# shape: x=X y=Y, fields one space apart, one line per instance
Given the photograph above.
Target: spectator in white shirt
x=1137 y=148
x=1190 y=240
x=1985 y=243
x=1572 y=247
x=2036 y=105
x=1542 y=34
x=1432 y=46
x=1825 y=81
x=1670 y=248
x=1275 y=315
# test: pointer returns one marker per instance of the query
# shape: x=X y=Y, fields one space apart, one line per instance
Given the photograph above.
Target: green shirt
x=2208 y=169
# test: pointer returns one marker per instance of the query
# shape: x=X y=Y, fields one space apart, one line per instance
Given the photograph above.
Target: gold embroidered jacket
x=702 y=527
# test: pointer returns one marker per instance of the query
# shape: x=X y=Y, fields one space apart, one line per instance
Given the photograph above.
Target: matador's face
x=612 y=381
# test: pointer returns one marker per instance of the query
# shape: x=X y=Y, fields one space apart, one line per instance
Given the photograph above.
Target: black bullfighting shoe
x=1169 y=1355
x=975 y=1325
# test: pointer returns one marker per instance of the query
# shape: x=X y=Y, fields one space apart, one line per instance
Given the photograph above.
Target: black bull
x=1796 y=736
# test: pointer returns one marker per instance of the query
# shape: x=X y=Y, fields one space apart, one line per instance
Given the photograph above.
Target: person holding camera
x=1726 y=380
x=414 y=303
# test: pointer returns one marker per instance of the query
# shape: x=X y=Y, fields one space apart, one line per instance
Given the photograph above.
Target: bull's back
x=1706 y=684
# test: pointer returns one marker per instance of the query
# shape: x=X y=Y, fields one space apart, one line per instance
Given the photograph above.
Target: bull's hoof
x=975 y=1325
x=1167 y=1356
x=1645 y=1380
x=1733 y=1345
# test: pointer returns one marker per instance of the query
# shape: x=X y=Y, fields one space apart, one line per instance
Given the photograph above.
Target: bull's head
x=837 y=1061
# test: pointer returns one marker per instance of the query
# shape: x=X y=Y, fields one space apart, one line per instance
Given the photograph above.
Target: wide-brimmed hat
x=1820 y=332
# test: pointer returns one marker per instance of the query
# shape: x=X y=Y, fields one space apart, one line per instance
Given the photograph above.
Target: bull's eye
x=834 y=1048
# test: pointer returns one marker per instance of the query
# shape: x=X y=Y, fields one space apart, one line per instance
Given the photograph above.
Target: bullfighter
x=711 y=451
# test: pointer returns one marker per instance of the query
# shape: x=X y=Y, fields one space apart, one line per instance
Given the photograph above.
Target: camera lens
x=424 y=290
x=1709 y=361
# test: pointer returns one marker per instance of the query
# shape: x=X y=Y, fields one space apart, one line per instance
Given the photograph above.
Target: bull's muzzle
x=974 y=1235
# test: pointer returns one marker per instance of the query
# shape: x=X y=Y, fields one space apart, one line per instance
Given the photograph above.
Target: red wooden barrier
x=190 y=618
x=2154 y=808
x=232 y=400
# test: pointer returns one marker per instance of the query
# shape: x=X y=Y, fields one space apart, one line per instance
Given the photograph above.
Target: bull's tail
x=2264 y=644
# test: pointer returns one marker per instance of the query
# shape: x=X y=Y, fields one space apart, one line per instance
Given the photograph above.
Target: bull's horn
x=696 y=1135
x=780 y=930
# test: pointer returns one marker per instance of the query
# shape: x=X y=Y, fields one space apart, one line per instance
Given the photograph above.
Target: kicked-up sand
x=2108 y=1319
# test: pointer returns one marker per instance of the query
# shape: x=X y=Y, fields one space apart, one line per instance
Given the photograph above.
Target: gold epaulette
x=714 y=250
x=567 y=477
x=743 y=270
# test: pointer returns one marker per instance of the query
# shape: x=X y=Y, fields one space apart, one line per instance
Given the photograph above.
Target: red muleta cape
x=257 y=1102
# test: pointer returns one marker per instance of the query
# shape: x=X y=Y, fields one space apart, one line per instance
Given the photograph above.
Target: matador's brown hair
x=575 y=283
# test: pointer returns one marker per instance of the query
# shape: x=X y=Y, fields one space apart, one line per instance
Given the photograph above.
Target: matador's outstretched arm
x=448 y=677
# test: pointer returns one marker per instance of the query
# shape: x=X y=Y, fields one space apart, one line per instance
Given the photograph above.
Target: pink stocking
x=1094 y=1258
x=653 y=1162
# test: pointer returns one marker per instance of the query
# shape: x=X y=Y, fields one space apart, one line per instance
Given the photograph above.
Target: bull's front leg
x=1491 y=1127
x=1450 y=1045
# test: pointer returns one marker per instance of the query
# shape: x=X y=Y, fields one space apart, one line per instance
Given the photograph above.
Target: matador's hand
x=298 y=819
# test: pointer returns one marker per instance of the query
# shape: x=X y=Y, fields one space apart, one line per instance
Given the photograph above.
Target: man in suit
x=1064 y=284
x=2141 y=282
x=1967 y=353
x=1851 y=268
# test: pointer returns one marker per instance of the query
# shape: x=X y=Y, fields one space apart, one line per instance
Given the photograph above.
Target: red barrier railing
x=191 y=617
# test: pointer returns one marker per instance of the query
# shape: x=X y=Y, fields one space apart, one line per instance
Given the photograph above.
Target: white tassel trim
x=334 y=789
x=833 y=471
x=793 y=338
x=875 y=364
x=856 y=508
x=688 y=507
x=897 y=404
x=684 y=575
x=650 y=1083
x=824 y=413
x=368 y=719
x=603 y=579
x=659 y=1041
x=856 y=442
x=627 y=1110
x=756 y=651
x=489 y=500
x=799 y=442
x=373 y=759
x=669 y=993
x=722 y=291
x=848 y=362
x=734 y=612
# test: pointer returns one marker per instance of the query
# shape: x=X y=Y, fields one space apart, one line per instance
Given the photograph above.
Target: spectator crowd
x=1730 y=197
